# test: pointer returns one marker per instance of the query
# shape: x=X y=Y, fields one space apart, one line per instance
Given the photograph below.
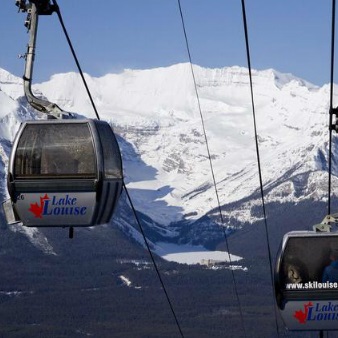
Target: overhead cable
x=332 y=111
x=124 y=186
x=258 y=154
x=57 y=9
x=211 y=168
x=153 y=261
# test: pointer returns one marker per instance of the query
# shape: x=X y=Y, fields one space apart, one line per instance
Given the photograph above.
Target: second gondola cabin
x=306 y=280
x=64 y=173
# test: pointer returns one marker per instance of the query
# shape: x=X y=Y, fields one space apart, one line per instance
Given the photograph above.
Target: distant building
x=210 y=262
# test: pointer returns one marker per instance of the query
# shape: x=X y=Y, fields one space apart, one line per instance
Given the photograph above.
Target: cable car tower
x=63 y=171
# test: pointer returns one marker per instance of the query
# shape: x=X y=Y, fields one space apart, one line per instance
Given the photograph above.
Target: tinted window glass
x=55 y=150
x=310 y=262
x=111 y=153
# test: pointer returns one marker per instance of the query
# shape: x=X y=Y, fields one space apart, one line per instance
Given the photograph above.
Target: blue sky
x=110 y=35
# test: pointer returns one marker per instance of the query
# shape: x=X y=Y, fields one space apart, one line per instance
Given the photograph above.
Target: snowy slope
x=156 y=114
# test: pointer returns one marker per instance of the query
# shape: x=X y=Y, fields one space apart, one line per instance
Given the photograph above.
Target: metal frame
x=34 y=9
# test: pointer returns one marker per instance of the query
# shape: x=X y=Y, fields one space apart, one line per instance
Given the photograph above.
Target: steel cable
x=211 y=168
x=124 y=186
x=258 y=155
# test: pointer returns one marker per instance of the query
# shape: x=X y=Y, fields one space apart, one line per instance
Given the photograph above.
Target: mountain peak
x=156 y=114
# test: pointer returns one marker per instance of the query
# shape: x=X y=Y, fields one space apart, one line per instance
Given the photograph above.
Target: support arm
x=44 y=106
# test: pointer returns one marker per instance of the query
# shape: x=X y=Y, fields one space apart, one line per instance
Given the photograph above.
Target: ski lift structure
x=63 y=171
x=306 y=278
x=67 y=172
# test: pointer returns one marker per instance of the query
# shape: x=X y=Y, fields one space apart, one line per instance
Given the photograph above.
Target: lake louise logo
x=316 y=312
x=55 y=206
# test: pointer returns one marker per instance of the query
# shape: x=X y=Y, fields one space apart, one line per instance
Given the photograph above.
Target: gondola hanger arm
x=34 y=8
x=325 y=225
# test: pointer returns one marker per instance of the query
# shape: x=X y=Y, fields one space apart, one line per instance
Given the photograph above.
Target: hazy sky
x=291 y=36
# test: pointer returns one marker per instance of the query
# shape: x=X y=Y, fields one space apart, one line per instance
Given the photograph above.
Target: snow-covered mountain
x=156 y=114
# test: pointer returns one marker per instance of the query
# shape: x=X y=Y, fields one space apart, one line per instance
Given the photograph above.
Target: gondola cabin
x=306 y=280
x=64 y=173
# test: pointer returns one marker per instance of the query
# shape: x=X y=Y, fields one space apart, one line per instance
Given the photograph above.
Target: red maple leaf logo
x=302 y=315
x=36 y=208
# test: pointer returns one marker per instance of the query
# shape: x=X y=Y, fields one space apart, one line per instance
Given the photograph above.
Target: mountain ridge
x=156 y=116
x=103 y=279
